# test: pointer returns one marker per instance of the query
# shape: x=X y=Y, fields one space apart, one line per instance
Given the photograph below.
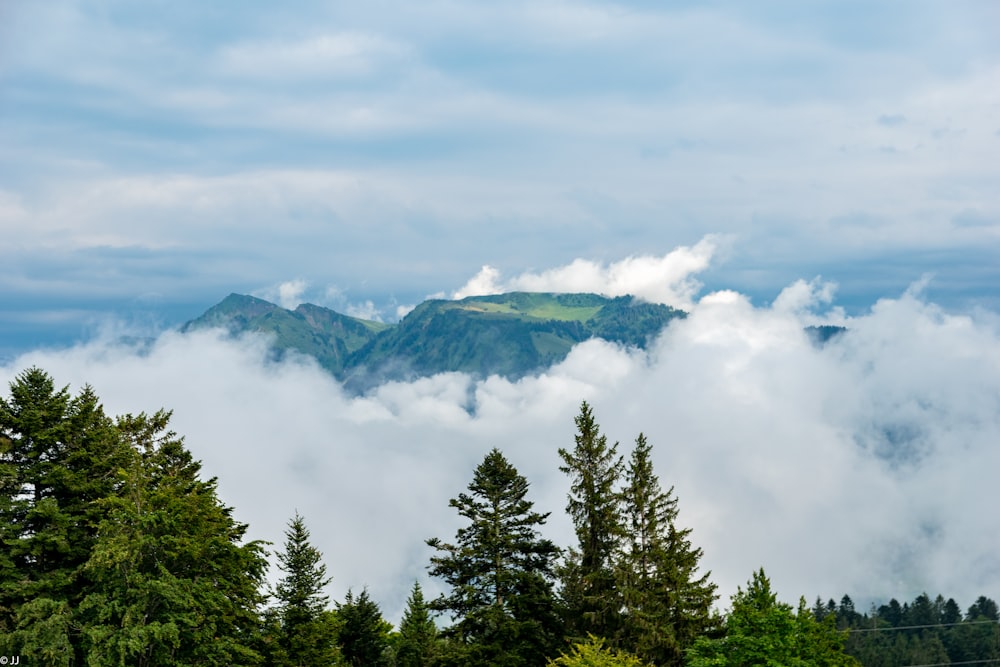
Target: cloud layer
x=863 y=467
x=668 y=279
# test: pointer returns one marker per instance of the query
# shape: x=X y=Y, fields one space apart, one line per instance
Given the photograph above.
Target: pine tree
x=667 y=605
x=417 y=633
x=306 y=630
x=588 y=575
x=499 y=571
x=364 y=634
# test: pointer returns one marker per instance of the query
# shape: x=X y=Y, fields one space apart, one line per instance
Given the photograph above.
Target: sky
x=763 y=165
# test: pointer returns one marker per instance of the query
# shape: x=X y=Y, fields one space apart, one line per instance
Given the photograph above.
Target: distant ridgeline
x=506 y=334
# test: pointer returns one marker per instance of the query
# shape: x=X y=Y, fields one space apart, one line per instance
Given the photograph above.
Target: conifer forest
x=116 y=550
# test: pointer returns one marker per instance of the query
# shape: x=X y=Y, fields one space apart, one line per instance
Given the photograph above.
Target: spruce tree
x=306 y=631
x=172 y=581
x=364 y=634
x=667 y=604
x=588 y=576
x=58 y=454
x=417 y=633
x=499 y=571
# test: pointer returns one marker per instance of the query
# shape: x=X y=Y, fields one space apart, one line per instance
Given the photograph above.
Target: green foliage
x=589 y=586
x=172 y=582
x=762 y=631
x=667 y=605
x=305 y=631
x=418 y=640
x=593 y=653
x=499 y=571
x=364 y=634
x=508 y=334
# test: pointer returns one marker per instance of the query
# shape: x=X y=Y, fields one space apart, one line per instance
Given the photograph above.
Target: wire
x=967 y=662
x=918 y=627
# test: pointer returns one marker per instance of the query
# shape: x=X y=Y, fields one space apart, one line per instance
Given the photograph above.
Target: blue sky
x=764 y=165
x=155 y=157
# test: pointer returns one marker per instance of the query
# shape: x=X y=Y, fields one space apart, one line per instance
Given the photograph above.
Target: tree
x=417 y=642
x=588 y=575
x=762 y=631
x=593 y=653
x=58 y=455
x=667 y=605
x=306 y=630
x=364 y=634
x=499 y=571
x=172 y=581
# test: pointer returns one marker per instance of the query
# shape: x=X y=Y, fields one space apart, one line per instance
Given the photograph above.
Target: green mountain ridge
x=512 y=334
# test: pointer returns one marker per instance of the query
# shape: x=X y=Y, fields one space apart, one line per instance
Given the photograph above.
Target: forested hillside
x=117 y=551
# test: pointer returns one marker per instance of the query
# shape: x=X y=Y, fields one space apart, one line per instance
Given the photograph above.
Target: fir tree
x=667 y=604
x=306 y=632
x=57 y=458
x=172 y=581
x=588 y=575
x=417 y=642
x=364 y=634
x=499 y=571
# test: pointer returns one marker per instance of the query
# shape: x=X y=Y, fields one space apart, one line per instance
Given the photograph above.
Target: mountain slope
x=319 y=332
x=506 y=334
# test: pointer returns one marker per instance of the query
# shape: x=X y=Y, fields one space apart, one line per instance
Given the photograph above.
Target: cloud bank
x=668 y=279
x=862 y=467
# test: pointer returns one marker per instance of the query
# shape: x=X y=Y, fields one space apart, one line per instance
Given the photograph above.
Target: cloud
x=856 y=468
x=668 y=279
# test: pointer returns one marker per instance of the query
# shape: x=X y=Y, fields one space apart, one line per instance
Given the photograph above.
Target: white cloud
x=855 y=468
x=668 y=279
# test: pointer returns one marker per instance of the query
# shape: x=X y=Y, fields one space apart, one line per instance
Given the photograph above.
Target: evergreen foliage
x=306 y=631
x=172 y=582
x=667 y=605
x=418 y=636
x=364 y=634
x=499 y=572
x=921 y=632
x=588 y=575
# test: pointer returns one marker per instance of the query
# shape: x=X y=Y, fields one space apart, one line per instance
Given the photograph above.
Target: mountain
x=505 y=334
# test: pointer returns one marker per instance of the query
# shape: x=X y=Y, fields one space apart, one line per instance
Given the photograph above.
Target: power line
x=966 y=662
x=918 y=627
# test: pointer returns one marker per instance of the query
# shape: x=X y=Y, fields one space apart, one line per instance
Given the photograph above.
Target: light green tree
x=593 y=653
x=762 y=631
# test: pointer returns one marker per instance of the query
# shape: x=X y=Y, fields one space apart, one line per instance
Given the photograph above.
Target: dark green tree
x=417 y=643
x=667 y=603
x=173 y=582
x=306 y=632
x=589 y=590
x=58 y=455
x=499 y=571
x=364 y=634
